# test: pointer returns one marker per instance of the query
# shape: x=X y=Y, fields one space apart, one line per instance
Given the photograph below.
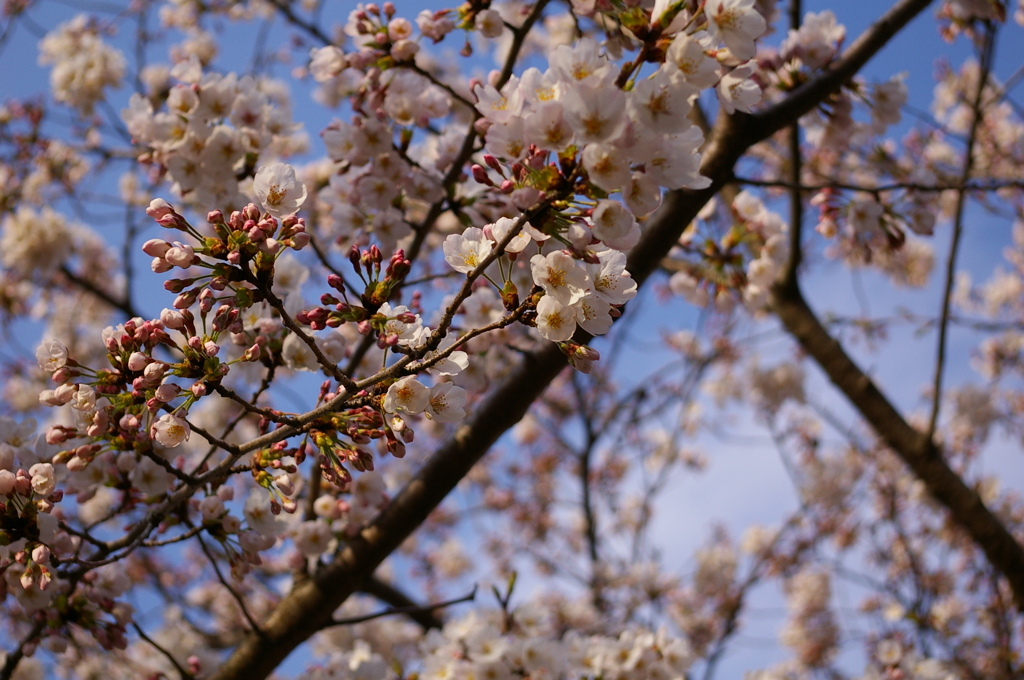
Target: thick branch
x=915 y=448
x=816 y=90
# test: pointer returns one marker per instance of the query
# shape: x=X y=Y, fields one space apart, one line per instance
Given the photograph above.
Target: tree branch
x=915 y=448
x=401 y=604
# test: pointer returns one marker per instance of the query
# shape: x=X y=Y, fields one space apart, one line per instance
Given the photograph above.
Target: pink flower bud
x=41 y=554
x=23 y=483
x=154 y=371
x=137 y=361
x=180 y=255
x=480 y=175
x=7 y=480
x=156 y=247
x=159 y=208
x=172 y=318
x=251 y=212
x=160 y=265
x=56 y=435
x=61 y=375
x=76 y=464
x=167 y=392
x=185 y=300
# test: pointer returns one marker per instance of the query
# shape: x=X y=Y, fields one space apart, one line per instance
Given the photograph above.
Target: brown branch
x=918 y=450
x=401 y=603
x=814 y=91
x=124 y=306
x=796 y=204
x=309 y=606
x=14 y=658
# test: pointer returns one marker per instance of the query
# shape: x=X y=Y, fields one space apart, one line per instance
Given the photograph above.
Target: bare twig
x=988 y=50
x=234 y=594
x=185 y=675
x=412 y=611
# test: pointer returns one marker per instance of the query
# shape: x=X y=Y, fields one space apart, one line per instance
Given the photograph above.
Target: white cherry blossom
x=171 y=431
x=555 y=321
x=278 y=191
x=737 y=23
x=559 y=275
x=445 y=403
x=407 y=395
x=464 y=252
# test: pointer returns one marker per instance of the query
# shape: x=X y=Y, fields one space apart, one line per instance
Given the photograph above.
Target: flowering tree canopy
x=449 y=300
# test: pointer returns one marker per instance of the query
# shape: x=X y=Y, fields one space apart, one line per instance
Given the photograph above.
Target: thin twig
x=985 y=67
x=237 y=597
x=185 y=675
x=390 y=611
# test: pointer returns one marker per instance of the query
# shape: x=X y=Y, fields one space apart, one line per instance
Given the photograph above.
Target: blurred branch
x=988 y=51
x=402 y=604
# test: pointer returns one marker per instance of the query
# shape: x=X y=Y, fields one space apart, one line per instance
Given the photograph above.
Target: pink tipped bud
x=156 y=247
x=159 y=265
x=172 y=318
x=480 y=175
x=61 y=375
x=55 y=435
x=185 y=300
x=137 y=361
x=167 y=392
x=159 y=208
x=7 y=480
x=41 y=554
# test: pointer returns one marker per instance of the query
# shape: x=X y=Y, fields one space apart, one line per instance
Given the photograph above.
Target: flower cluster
x=83 y=65
x=212 y=131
